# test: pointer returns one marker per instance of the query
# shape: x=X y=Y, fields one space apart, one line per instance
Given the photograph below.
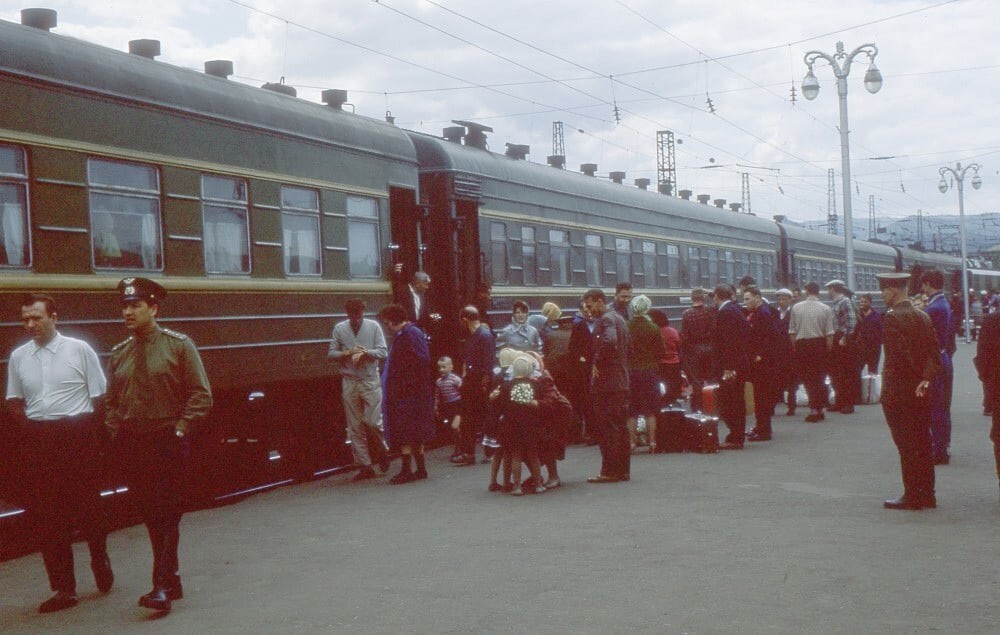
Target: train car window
x=559 y=257
x=768 y=270
x=694 y=267
x=710 y=268
x=363 y=244
x=529 y=255
x=300 y=230
x=623 y=258
x=124 y=215
x=14 y=244
x=649 y=263
x=758 y=268
x=730 y=271
x=498 y=253
x=673 y=266
x=227 y=232
x=594 y=254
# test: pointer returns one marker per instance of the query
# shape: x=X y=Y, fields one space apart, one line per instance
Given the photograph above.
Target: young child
x=519 y=401
x=555 y=414
x=448 y=399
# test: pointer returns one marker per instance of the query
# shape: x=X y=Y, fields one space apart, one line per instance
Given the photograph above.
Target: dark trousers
x=995 y=437
x=764 y=394
x=475 y=405
x=940 y=397
x=63 y=467
x=579 y=397
x=153 y=465
x=700 y=367
x=733 y=408
x=869 y=357
x=844 y=374
x=612 y=420
x=671 y=376
x=910 y=426
x=810 y=358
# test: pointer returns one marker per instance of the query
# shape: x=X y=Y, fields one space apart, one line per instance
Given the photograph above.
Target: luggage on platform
x=671 y=430
x=871 y=388
x=702 y=433
x=710 y=399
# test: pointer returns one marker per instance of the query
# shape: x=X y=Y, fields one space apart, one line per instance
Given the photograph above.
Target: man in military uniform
x=157 y=390
x=912 y=361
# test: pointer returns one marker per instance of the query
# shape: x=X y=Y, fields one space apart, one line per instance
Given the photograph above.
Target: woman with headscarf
x=408 y=393
x=647 y=349
x=545 y=322
x=670 y=364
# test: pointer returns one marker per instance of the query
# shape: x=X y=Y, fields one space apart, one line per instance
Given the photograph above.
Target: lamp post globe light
x=958 y=172
x=841 y=62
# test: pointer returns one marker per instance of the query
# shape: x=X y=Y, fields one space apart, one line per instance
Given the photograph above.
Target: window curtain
x=13 y=233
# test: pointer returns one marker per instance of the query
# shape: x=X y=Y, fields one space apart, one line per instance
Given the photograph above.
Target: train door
x=406 y=224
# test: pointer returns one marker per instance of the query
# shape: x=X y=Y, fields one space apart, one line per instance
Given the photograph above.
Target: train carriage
x=539 y=233
x=260 y=213
x=812 y=256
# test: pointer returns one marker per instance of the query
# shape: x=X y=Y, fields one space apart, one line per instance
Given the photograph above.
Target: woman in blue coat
x=407 y=393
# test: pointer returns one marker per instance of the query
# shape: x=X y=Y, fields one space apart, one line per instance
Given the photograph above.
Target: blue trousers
x=940 y=395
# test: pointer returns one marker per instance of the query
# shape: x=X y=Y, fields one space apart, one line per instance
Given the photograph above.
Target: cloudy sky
x=520 y=65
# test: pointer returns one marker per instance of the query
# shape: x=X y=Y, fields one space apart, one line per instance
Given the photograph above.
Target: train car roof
x=440 y=155
x=37 y=55
x=836 y=242
x=929 y=257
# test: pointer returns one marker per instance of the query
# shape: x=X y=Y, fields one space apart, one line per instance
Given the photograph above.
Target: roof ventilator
x=518 y=151
x=642 y=184
x=476 y=133
x=219 y=68
x=149 y=49
x=617 y=177
x=720 y=203
x=590 y=169
x=557 y=161
x=334 y=98
x=704 y=198
x=42 y=19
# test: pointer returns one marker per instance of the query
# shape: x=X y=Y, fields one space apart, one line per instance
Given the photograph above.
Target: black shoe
x=403 y=477
x=420 y=475
x=929 y=502
x=813 y=417
x=730 y=445
x=61 y=600
x=465 y=459
x=175 y=592
x=753 y=435
x=847 y=410
x=103 y=575
x=383 y=465
x=903 y=503
x=364 y=474
x=156 y=600
x=457 y=458
x=942 y=459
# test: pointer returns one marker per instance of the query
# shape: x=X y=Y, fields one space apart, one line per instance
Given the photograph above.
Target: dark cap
x=133 y=289
x=898 y=280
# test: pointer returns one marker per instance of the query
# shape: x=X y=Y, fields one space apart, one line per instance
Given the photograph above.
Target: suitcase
x=709 y=399
x=871 y=388
x=702 y=433
x=671 y=430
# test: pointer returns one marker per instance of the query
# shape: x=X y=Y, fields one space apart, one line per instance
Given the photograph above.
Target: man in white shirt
x=52 y=383
x=357 y=345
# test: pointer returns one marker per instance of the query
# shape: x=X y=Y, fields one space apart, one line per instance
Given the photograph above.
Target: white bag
x=871 y=388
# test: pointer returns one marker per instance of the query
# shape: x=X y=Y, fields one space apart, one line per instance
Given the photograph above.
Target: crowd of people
x=516 y=392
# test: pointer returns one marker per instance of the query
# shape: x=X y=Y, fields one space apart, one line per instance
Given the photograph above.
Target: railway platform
x=782 y=537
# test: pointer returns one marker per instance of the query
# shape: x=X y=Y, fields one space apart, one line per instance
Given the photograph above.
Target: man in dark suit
x=729 y=341
x=912 y=361
x=988 y=364
x=764 y=347
x=413 y=297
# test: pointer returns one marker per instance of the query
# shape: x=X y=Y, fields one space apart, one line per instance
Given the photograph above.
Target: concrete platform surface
x=783 y=537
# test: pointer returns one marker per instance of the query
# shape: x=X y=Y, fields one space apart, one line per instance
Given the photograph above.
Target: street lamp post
x=841 y=62
x=958 y=172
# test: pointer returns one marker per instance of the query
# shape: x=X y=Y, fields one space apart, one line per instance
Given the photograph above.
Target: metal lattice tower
x=666 y=163
x=831 y=203
x=558 y=141
x=745 y=188
x=871 y=216
x=920 y=226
